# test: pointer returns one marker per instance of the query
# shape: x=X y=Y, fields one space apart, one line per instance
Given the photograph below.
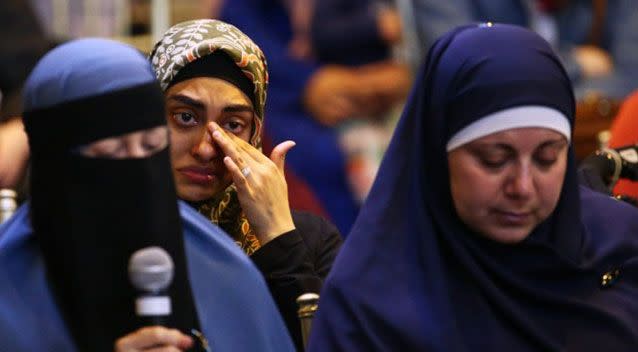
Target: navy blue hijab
x=411 y=276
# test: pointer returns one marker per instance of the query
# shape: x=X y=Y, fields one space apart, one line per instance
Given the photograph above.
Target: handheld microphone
x=151 y=272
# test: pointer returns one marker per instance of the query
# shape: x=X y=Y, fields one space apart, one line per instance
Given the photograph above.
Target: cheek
x=180 y=144
x=550 y=187
x=472 y=190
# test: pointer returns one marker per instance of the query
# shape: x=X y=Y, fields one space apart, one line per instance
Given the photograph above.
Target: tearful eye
x=184 y=119
x=234 y=127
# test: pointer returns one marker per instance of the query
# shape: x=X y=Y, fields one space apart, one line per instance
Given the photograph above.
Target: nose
x=521 y=182
x=204 y=148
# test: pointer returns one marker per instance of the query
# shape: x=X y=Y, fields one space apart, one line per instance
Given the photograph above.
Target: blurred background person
x=597 y=40
x=311 y=98
x=367 y=36
x=64 y=19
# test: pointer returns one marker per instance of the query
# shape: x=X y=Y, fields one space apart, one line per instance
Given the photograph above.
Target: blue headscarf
x=84 y=68
x=411 y=276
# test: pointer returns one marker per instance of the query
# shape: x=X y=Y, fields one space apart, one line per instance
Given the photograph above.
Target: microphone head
x=150 y=269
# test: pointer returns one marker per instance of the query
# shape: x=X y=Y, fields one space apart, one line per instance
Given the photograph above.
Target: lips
x=514 y=218
x=201 y=175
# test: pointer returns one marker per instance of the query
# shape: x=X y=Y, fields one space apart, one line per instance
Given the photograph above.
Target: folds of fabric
x=412 y=276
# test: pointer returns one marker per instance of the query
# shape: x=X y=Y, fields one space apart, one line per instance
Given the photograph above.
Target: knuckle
x=157 y=332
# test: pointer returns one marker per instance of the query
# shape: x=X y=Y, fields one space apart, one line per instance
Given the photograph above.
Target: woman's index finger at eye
x=245 y=146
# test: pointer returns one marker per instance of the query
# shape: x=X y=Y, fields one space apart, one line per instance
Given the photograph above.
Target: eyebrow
x=557 y=143
x=508 y=148
x=188 y=101
x=239 y=108
x=201 y=106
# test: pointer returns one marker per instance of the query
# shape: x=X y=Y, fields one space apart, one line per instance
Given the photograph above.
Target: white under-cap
x=517 y=117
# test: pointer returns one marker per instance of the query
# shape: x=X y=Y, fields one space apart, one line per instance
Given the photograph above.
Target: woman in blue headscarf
x=476 y=236
x=101 y=189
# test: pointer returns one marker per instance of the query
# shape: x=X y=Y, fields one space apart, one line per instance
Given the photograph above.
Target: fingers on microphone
x=153 y=337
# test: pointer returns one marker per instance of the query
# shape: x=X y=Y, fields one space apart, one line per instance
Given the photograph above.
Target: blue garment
x=316 y=158
x=235 y=309
x=412 y=276
x=619 y=37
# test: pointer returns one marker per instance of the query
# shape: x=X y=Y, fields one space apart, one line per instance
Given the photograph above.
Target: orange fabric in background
x=624 y=131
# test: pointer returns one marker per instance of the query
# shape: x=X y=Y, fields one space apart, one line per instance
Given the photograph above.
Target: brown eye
x=184 y=119
x=233 y=126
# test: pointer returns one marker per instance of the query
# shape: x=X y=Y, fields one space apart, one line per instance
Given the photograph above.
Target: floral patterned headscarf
x=192 y=40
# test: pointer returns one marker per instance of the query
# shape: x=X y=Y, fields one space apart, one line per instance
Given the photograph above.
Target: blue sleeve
x=265 y=25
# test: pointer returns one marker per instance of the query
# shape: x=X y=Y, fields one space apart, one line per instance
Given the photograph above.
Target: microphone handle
x=153 y=309
x=153 y=320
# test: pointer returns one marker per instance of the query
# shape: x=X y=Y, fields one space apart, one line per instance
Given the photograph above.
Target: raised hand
x=14 y=152
x=261 y=187
x=328 y=94
x=593 y=61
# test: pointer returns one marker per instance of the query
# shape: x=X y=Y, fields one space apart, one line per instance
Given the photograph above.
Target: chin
x=193 y=194
x=507 y=236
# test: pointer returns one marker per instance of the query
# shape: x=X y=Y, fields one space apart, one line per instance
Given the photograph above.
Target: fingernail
x=217 y=134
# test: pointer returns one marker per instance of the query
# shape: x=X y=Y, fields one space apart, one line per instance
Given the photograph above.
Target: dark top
x=296 y=263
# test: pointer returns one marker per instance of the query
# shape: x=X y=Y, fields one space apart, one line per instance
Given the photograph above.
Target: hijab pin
x=486 y=24
x=609 y=278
